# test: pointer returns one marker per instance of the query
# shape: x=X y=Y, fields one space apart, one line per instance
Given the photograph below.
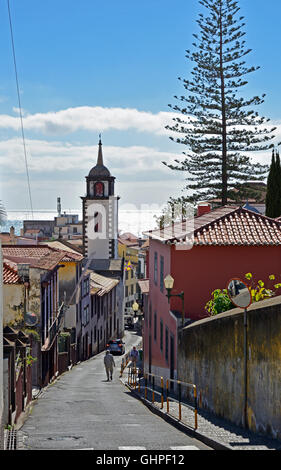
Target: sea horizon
x=135 y=221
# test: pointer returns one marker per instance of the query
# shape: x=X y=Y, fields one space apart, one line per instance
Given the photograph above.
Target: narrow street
x=81 y=411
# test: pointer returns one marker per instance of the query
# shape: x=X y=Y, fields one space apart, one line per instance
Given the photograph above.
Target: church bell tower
x=100 y=213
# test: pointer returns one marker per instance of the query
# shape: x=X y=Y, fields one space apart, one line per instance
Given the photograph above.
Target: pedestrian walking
x=109 y=364
x=134 y=355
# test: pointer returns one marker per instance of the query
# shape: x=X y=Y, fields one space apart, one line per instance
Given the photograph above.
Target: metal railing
x=134 y=376
x=184 y=395
x=124 y=363
x=180 y=398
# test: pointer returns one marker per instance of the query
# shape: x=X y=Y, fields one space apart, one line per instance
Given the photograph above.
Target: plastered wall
x=211 y=355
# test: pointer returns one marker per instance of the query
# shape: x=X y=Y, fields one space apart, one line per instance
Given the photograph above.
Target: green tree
x=278 y=185
x=217 y=124
x=273 y=194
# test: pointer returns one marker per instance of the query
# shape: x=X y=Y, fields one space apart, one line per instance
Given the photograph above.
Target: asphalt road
x=81 y=411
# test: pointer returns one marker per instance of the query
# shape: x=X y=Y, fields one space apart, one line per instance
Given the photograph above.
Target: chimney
x=203 y=208
x=12 y=234
x=58 y=206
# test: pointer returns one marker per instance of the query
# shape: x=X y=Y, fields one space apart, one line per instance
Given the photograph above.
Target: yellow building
x=128 y=248
x=68 y=275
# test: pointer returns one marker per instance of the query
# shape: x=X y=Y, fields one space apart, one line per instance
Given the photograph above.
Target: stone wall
x=211 y=355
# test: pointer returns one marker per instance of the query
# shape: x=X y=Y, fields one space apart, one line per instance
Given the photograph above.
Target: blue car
x=116 y=346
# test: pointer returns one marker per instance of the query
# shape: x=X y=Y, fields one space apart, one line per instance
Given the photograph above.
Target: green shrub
x=220 y=301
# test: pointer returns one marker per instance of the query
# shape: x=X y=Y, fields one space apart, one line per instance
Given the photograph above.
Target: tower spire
x=100 y=157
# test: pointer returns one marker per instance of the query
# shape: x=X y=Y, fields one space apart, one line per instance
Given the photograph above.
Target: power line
x=20 y=109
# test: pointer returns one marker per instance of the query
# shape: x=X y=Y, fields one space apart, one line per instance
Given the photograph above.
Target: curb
x=178 y=424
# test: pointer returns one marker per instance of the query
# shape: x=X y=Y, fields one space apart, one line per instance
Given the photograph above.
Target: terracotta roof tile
x=37 y=256
x=225 y=226
x=10 y=275
x=70 y=254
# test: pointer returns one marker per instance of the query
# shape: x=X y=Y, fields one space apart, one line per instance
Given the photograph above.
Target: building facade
x=34 y=303
x=100 y=232
x=100 y=213
x=225 y=243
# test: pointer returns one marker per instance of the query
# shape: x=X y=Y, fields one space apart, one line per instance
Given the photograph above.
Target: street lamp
x=169 y=284
x=135 y=307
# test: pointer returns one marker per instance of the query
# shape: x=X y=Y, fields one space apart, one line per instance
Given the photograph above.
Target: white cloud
x=90 y=119
x=61 y=157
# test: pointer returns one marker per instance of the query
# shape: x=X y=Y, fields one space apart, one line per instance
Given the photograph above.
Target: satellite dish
x=30 y=319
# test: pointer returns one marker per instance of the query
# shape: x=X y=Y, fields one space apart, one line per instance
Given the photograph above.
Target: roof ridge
x=234 y=211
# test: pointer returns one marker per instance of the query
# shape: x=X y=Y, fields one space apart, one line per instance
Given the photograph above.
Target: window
x=155 y=267
x=86 y=315
x=166 y=344
x=161 y=335
x=99 y=189
x=97 y=306
x=86 y=287
x=98 y=222
x=155 y=326
x=161 y=273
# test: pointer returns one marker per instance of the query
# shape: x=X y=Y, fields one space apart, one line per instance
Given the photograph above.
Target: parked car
x=116 y=346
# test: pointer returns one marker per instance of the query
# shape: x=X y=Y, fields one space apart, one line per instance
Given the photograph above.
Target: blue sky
x=88 y=67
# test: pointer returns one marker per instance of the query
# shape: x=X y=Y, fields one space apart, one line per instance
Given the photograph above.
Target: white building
x=100 y=231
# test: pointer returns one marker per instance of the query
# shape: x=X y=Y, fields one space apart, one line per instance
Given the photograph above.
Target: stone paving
x=211 y=429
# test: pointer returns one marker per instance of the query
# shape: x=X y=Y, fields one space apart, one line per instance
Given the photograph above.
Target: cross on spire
x=100 y=157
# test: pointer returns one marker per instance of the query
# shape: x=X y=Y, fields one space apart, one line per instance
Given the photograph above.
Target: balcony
x=54 y=329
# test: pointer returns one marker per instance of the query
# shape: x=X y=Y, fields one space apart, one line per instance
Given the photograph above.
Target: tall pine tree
x=217 y=123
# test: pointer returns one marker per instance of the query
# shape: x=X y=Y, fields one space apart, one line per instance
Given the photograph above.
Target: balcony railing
x=54 y=328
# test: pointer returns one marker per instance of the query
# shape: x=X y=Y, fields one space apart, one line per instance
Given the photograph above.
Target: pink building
x=227 y=242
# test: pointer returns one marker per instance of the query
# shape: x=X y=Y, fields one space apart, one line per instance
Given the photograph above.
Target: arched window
x=98 y=222
x=99 y=189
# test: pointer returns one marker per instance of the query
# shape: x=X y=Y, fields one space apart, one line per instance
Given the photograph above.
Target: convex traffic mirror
x=239 y=293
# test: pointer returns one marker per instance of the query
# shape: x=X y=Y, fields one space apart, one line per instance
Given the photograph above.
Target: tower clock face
x=99 y=189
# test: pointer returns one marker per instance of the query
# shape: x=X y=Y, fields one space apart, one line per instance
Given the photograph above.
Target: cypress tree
x=272 y=188
x=278 y=185
x=217 y=124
